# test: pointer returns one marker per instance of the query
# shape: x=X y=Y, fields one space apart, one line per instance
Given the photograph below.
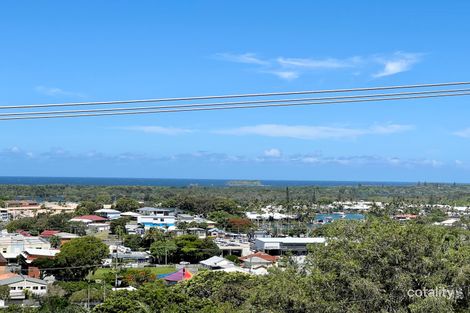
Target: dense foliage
x=206 y=199
x=367 y=266
x=43 y=221
x=76 y=259
x=187 y=248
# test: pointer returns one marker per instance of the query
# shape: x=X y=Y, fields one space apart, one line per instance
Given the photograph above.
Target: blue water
x=102 y=181
x=347 y=216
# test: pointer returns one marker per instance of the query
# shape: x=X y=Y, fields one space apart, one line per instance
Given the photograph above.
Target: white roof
x=133 y=214
x=294 y=240
x=258 y=271
x=256 y=259
x=83 y=220
x=111 y=211
x=130 y=288
x=450 y=221
x=216 y=261
x=64 y=235
x=233 y=269
x=43 y=252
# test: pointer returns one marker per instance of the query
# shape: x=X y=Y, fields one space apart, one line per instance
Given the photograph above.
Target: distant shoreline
x=177 y=182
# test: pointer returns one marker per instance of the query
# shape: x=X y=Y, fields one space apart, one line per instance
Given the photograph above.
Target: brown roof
x=49 y=233
x=260 y=255
x=94 y=218
x=7 y=275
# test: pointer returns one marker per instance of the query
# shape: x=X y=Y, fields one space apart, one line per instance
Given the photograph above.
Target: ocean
x=104 y=181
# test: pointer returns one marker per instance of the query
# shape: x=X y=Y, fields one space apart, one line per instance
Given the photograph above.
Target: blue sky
x=60 y=51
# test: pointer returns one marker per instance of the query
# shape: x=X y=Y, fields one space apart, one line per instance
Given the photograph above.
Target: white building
x=233 y=247
x=11 y=245
x=216 y=262
x=108 y=213
x=156 y=217
x=20 y=283
x=448 y=222
x=280 y=245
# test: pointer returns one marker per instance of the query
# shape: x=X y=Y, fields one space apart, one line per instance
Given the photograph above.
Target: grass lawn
x=102 y=235
x=99 y=274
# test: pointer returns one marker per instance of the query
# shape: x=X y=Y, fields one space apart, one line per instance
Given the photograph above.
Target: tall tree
x=79 y=256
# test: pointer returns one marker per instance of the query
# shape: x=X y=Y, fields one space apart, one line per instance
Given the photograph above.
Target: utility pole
x=166 y=255
x=104 y=290
x=115 y=269
x=288 y=209
x=88 y=295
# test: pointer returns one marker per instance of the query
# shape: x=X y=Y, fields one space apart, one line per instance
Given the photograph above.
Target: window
x=20 y=288
x=12 y=288
x=4 y=250
x=35 y=287
x=43 y=287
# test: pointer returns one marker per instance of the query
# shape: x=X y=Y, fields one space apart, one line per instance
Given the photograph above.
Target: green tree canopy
x=80 y=255
x=87 y=207
x=127 y=204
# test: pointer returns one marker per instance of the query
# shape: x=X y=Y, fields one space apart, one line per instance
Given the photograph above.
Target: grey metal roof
x=149 y=209
x=11 y=280
x=132 y=255
x=20 y=278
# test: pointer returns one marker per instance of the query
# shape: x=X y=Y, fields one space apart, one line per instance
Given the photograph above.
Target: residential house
x=156 y=217
x=233 y=247
x=17 y=209
x=131 y=215
x=216 y=262
x=63 y=236
x=28 y=256
x=18 y=285
x=126 y=255
x=109 y=214
x=4 y=215
x=258 y=259
x=281 y=245
x=195 y=231
x=88 y=219
x=11 y=245
x=449 y=222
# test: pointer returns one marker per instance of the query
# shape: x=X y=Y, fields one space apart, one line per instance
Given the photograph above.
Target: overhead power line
x=286 y=101
x=288 y=104
x=288 y=93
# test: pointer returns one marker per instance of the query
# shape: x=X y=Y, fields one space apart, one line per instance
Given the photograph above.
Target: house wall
x=12 y=246
x=17 y=288
x=156 y=221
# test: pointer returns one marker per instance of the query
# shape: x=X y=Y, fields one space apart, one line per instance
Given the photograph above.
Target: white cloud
x=287 y=75
x=464 y=133
x=390 y=128
x=399 y=62
x=247 y=58
x=56 y=92
x=290 y=68
x=313 y=132
x=158 y=130
x=328 y=63
x=273 y=153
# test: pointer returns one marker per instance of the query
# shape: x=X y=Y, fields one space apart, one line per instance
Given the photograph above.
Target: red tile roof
x=49 y=233
x=261 y=255
x=7 y=275
x=408 y=216
x=94 y=218
x=23 y=232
